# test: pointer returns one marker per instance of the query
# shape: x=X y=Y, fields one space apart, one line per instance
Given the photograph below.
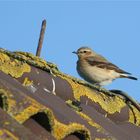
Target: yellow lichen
x=33 y=108
x=105 y=139
x=131 y=116
x=13 y=67
x=4 y=58
x=7 y=135
x=10 y=103
x=12 y=109
x=1 y=132
x=27 y=82
x=109 y=104
x=26 y=113
x=70 y=103
x=60 y=130
x=6 y=123
x=36 y=59
x=134 y=116
x=91 y=122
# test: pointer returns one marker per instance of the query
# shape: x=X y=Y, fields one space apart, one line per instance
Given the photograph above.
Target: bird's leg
x=98 y=86
x=93 y=85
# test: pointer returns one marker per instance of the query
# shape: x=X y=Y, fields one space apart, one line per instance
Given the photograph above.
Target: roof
x=39 y=102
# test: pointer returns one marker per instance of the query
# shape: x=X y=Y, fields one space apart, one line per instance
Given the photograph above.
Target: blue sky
x=110 y=28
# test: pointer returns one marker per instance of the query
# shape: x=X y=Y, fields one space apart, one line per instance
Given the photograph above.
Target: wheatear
x=95 y=69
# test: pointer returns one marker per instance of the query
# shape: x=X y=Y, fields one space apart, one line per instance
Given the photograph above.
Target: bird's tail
x=133 y=78
x=128 y=76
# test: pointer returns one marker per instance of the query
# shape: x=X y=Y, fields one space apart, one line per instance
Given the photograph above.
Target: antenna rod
x=41 y=38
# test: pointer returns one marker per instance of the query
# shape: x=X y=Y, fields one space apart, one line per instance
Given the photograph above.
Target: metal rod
x=41 y=38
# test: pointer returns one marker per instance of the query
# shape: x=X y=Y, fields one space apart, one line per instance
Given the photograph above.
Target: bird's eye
x=82 y=52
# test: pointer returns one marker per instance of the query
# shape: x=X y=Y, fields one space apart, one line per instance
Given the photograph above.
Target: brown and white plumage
x=94 y=68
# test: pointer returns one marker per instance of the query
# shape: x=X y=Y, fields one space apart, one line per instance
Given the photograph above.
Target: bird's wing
x=103 y=63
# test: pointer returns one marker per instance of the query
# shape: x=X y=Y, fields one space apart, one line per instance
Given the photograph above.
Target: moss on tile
x=13 y=67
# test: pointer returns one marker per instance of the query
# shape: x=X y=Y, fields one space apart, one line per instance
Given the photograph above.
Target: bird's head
x=84 y=52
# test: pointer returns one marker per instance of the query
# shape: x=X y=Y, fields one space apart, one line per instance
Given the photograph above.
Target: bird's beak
x=74 y=52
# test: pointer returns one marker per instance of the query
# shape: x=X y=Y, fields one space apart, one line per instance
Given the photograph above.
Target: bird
x=96 y=69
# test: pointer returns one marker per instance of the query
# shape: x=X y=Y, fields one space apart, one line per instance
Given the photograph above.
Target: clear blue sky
x=110 y=28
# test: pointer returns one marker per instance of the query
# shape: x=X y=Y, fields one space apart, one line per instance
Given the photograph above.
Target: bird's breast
x=93 y=73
